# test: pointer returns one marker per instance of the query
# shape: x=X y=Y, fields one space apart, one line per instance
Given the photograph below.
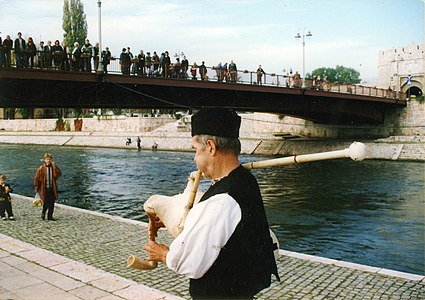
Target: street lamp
x=298 y=36
x=99 y=65
x=179 y=54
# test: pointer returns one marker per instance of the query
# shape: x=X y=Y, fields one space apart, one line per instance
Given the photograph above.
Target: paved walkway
x=83 y=256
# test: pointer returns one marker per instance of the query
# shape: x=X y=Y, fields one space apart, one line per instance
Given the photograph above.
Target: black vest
x=245 y=264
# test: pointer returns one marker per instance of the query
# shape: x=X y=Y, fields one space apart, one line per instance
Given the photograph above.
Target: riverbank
x=393 y=148
x=99 y=261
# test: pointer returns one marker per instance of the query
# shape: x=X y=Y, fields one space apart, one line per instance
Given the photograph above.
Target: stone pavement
x=83 y=256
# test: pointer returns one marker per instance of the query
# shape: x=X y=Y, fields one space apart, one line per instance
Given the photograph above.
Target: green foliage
x=67 y=126
x=74 y=22
x=78 y=112
x=420 y=99
x=24 y=112
x=340 y=74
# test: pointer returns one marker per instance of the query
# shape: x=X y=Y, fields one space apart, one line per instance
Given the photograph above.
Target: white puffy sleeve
x=207 y=229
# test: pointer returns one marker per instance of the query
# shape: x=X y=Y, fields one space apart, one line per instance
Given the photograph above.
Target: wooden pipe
x=356 y=151
x=141 y=264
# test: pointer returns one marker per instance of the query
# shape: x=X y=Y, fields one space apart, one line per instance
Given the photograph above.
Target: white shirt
x=207 y=229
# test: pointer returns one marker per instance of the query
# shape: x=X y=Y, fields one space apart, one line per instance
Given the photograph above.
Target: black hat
x=216 y=121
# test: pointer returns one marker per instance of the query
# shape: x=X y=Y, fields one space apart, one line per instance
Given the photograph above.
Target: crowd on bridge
x=86 y=58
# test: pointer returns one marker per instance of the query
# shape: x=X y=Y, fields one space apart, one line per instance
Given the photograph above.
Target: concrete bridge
x=34 y=88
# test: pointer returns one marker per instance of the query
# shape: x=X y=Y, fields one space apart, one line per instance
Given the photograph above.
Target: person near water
x=225 y=248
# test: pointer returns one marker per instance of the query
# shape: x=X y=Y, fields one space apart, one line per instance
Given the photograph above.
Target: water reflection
x=369 y=212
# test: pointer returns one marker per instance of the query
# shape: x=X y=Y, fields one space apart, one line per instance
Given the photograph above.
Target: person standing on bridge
x=125 y=62
x=225 y=247
x=233 y=70
x=260 y=73
x=76 y=57
x=203 y=71
x=45 y=184
x=20 y=47
x=86 y=55
x=193 y=71
x=48 y=54
x=156 y=63
x=106 y=59
x=185 y=67
x=57 y=52
x=148 y=63
x=2 y=60
x=8 y=45
x=31 y=51
x=165 y=63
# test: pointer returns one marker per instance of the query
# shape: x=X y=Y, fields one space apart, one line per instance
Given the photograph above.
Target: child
x=5 y=199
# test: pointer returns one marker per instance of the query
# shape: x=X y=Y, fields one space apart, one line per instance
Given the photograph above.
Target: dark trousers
x=49 y=204
x=5 y=205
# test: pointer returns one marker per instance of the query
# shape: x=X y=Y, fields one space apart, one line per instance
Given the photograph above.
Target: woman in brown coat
x=45 y=184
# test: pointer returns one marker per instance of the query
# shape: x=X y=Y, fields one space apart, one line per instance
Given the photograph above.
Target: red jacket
x=40 y=180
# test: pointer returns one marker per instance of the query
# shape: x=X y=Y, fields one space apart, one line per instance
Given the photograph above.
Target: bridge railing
x=59 y=62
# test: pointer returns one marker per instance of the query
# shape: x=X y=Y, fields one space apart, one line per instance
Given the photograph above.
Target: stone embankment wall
x=264 y=134
x=381 y=149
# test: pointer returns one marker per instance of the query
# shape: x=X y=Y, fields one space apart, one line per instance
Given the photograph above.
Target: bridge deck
x=56 y=89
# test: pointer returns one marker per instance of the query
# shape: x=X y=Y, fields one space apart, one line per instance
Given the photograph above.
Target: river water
x=369 y=212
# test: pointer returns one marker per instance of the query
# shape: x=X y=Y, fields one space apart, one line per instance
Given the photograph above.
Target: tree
x=74 y=22
x=340 y=74
x=26 y=113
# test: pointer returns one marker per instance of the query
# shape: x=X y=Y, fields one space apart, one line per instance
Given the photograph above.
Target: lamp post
x=99 y=15
x=298 y=36
x=179 y=54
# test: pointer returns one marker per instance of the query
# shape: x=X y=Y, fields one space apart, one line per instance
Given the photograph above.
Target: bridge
x=36 y=88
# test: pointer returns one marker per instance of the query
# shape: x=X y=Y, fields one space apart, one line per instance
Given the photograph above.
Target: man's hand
x=154 y=224
x=156 y=252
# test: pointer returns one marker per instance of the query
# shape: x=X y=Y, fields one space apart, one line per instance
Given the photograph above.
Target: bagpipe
x=172 y=210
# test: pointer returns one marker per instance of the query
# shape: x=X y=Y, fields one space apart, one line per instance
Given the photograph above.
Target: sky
x=250 y=32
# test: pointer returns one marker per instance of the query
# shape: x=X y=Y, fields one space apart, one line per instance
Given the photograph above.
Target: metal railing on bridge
x=59 y=62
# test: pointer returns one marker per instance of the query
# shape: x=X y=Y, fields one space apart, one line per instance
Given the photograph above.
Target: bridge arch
x=416 y=88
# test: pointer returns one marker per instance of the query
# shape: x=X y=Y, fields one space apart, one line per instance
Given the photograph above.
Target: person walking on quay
x=45 y=184
x=5 y=199
x=225 y=247
x=260 y=73
x=138 y=143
